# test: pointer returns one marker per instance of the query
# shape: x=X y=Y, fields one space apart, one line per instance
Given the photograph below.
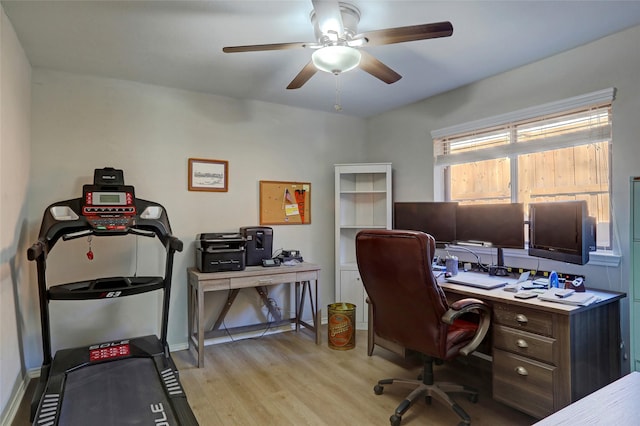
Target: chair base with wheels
x=428 y=388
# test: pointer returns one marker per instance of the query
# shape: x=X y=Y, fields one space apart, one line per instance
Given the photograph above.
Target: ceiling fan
x=338 y=44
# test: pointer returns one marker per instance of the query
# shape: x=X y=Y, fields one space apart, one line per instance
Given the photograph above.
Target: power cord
x=480 y=265
x=274 y=304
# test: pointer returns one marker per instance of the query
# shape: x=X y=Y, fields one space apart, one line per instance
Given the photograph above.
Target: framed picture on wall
x=208 y=175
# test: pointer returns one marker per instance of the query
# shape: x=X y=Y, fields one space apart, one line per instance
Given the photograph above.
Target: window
x=554 y=152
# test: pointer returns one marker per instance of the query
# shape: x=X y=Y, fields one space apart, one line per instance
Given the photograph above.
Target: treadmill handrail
x=36 y=250
x=51 y=230
x=142 y=232
x=175 y=243
x=77 y=234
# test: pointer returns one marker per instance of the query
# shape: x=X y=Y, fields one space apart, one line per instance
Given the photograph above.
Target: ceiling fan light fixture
x=336 y=59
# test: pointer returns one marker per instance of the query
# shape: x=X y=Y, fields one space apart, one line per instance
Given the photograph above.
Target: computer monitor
x=500 y=225
x=561 y=231
x=435 y=218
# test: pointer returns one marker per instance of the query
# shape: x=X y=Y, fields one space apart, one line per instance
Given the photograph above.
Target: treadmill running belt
x=124 y=392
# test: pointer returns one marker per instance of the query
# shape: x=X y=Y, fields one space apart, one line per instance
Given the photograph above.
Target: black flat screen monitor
x=502 y=225
x=435 y=218
x=561 y=231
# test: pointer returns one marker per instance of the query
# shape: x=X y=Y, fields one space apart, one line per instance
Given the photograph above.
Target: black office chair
x=410 y=309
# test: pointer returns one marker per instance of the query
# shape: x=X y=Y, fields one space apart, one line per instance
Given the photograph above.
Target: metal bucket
x=341 y=329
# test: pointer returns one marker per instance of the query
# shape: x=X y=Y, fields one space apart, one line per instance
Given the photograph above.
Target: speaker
x=259 y=243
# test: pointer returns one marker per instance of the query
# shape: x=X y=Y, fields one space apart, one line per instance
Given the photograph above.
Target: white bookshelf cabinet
x=363 y=200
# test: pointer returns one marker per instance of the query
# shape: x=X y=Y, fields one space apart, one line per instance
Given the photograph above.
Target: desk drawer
x=522 y=318
x=244 y=282
x=214 y=285
x=523 y=343
x=522 y=383
x=307 y=276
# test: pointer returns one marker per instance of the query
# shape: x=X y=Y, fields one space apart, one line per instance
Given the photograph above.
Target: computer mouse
x=447 y=274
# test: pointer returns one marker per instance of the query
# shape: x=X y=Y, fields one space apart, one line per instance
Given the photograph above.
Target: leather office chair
x=410 y=309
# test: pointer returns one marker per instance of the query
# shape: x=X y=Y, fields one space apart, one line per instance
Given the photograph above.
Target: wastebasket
x=341 y=329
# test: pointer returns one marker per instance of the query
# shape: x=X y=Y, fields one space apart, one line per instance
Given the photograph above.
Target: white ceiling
x=179 y=44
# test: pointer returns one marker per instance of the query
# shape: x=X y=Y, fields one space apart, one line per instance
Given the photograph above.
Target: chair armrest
x=463 y=306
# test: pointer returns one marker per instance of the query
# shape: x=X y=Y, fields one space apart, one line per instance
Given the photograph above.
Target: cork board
x=285 y=203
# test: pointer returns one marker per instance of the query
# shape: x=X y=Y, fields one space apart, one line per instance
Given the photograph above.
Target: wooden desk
x=547 y=355
x=614 y=404
x=256 y=277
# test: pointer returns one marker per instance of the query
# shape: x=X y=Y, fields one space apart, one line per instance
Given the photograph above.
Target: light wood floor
x=286 y=379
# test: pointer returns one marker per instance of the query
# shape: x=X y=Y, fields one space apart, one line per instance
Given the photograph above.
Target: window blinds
x=571 y=122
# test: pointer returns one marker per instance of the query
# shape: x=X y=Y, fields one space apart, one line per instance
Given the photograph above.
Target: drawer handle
x=522 y=371
x=266 y=281
x=521 y=343
x=522 y=319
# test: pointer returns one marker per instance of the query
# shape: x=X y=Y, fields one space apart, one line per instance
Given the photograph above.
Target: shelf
x=357 y=191
x=363 y=227
x=363 y=201
x=351 y=266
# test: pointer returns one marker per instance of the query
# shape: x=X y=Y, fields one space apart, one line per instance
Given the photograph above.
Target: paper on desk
x=576 y=299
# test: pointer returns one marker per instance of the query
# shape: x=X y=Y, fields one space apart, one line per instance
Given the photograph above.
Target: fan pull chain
x=338 y=104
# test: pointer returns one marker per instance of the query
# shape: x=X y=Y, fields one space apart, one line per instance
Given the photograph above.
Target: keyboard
x=475 y=279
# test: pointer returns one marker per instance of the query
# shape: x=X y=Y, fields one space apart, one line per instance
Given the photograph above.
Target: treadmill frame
x=47 y=399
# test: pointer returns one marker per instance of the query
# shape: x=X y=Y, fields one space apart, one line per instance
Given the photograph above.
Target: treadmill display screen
x=107 y=351
x=109 y=198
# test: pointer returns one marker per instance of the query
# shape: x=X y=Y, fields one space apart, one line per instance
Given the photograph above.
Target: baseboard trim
x=10 y=411
x=178 y=347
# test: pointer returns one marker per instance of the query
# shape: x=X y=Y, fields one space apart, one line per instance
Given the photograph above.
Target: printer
x=217 y=252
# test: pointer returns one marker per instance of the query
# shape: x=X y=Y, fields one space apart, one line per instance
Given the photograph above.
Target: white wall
x=15 y=86
x=403 y=136
x=82 y=122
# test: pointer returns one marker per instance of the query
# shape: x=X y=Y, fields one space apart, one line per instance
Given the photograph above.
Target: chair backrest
x=408 y=303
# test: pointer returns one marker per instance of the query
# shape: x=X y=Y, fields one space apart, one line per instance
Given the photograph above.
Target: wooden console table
x=256 y=277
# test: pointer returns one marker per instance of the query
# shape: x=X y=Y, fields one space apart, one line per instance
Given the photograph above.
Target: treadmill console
x=109 y=210
x=109 y=204
x=107 y=207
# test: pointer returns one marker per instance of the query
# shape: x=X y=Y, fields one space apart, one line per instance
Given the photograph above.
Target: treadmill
x=131 y=381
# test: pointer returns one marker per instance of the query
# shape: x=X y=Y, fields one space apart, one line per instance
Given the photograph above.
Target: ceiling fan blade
x=377 y=69
x=262 y=47
x=328 y=16
x=303 y=76
x=410 y=33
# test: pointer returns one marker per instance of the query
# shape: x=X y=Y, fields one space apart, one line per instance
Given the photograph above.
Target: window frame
x=442 y=182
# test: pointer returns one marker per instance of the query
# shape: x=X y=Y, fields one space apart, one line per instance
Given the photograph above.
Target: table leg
x=189 y=315
x=315 y=308
x=317 y=318
x=297 y=305
x=230 y=299
x=200 y=301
